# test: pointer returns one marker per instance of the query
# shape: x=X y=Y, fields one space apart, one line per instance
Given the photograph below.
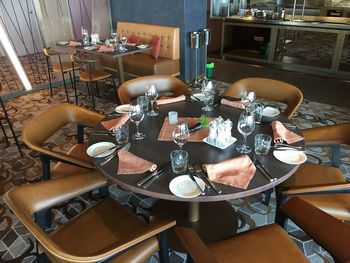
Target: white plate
x=100 y=147
x=220 y=146
x=63 y=43
x=90 y=48
x=290 y=156
x=270 y=112
x=198 y=96
x=183 y=186
x=142 y=46
x=122 y=108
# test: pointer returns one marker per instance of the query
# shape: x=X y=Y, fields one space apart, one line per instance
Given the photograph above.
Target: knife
x=153 y=174
x=193 y=171
x=263 y=170
x=194 y=180
x=213 y=185
x=104 y=151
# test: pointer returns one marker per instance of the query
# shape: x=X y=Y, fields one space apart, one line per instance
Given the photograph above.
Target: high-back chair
x=103 y=232
x=44 y=125
x=269 y=89
x=164 y=83
x=322 y=185
x=270 y=243
x=91 y=75
x=62 y=67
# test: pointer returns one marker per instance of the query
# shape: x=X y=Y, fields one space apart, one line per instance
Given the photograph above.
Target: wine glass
x=246 y=125
x=181 y=134
x=136 y=115
x=124 y=40
x=114 y=35
x=151 y=94
x=208 y=92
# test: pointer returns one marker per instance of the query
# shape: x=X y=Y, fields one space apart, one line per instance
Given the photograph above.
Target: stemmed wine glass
x=151 y=94
x=114 y=36
x=181 y=134
x=124 y=40
x=246 y=125
x=136 y=115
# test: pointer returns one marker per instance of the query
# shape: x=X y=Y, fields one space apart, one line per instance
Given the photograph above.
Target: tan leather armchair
x=44 y=125
x=104 y=231
x=269 y=89
x=270 y=243
x=164 y=83
x=321 y=185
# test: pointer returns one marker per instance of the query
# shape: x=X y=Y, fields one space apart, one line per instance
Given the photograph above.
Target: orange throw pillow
x=135 y=39
x=155 y=44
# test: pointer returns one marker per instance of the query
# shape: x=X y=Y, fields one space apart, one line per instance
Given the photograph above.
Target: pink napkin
x=110 y=124
x=105 y=49
x=129 y=163
x=74 y=44
x=234 y=104
x=281 y=133
x=236 y=172
x=168 y=100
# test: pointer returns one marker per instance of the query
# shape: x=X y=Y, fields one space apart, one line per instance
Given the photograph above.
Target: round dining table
x=211 y=215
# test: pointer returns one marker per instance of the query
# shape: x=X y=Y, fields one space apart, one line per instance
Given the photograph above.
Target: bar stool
x=90 y=75
x=60 y=66
x=4 y=116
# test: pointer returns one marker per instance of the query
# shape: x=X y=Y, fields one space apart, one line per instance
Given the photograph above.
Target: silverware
x=195 y=181
x=282 y=145
x=264 y=171
x=103 y=132
x=153 y=174
x=193 y=171
x=110 y=157
x=104 y=151
x=213 y=185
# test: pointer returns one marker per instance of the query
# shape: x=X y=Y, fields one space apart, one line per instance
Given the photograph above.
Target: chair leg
x=280 y=217
x=163 y=247
x=268 y=194
x=74 y=85
x=65 y=86
x=49 y=73
x=92 y=96
x=97 y=90
x=88 y=88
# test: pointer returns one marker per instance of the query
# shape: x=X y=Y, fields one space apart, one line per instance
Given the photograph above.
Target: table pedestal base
x=212 y=221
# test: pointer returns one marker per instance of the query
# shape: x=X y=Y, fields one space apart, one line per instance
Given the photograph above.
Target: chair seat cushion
x=313 y=174
x=66 y=66
x=97 y=228
x=144 y=65
x=264 y=244
x=96 y=75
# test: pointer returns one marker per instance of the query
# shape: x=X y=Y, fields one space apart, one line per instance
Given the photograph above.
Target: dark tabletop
x=158 y=152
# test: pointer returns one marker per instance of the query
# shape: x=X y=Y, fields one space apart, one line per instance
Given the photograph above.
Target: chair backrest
x=164 y=83
x=42 y=126
x=269 y=89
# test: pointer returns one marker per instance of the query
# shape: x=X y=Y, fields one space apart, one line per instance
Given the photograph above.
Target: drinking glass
x=136 y=115
x=143 y=102
x=123 y=40
x=243 y=95
x=262 y=143
x=114 y=35
x=179 y=159
x=208 y=92
x=151 y=94
x=181 y=134
x=246 y=125
x=122 y=135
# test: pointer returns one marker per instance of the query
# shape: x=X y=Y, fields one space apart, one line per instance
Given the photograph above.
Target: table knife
x=104 y=151
x=263 y=170
x=195 y=181
x=213 y=185
x=153 y=174
x=193 y=171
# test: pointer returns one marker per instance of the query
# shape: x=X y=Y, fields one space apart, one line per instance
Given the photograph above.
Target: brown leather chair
x=321 y=185
x=44 y=125
x=105 y=231
x=61 y=66
x=270 y=243
x=269 y=89
x=90 y=75
x=164 y=83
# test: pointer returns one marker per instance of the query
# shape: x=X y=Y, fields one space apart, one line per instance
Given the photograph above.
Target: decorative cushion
x=155 y=44
x=135 y=39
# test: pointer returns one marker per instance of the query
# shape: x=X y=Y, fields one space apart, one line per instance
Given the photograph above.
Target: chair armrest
x=331 y=233
x=327 y=135
x=194 y=246
x=318 y=189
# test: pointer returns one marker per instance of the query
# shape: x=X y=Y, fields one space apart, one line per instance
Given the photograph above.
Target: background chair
x=61 y=66
x=269 y=89
x=90 y=75
x=270 y=243
x=39 y=129
x=98 y=234
x=129 y=90
x=4 y=116
x=321 y=185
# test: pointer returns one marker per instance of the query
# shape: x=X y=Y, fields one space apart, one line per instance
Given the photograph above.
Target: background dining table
x=210 y=215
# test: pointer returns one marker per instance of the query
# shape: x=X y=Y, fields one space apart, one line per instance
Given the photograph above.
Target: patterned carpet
x=16 y=244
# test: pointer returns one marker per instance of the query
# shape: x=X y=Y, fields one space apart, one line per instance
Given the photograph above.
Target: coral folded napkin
x=236 y=172
x=168 y=100
x=106 y=49
x=235 y=104
x=281 y=134
x=166 y=131
x=129 y=163
x=110 y=124
x=74 y=44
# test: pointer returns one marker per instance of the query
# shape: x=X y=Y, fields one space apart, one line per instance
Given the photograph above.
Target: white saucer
x=290 y=156
x=122 y=108
x=270 y=112
x=198 y=96
x=100 y=147
x=142 y=46
x=183 y=186
x=220 y=146
x=90 y=48
x=63 y=43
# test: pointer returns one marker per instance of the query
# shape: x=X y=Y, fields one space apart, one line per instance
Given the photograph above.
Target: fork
x=193 y=171
x=201 y=172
